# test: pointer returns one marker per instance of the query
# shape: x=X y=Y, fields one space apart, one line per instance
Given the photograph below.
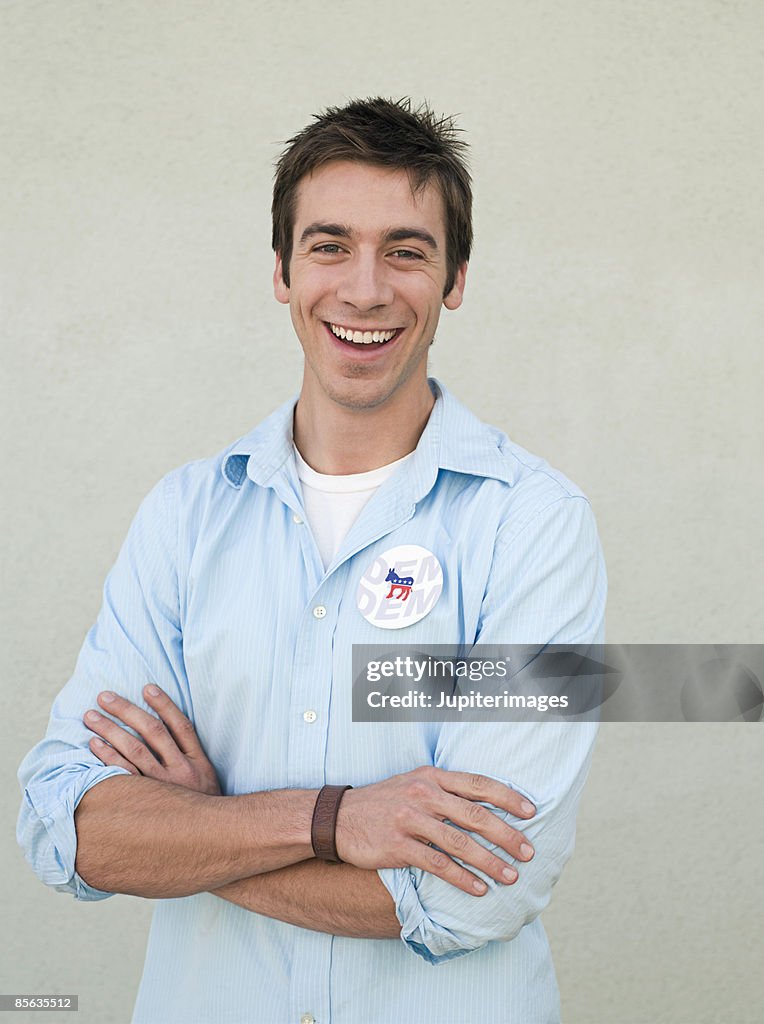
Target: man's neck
x=337 y=440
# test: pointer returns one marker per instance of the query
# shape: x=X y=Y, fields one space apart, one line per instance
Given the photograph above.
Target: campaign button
x=400 y=587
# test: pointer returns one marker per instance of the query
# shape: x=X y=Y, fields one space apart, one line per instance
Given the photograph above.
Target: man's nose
x=365 y=283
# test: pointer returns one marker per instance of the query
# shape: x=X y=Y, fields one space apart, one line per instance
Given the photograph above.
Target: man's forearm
x=336 y=898
x=147 y=838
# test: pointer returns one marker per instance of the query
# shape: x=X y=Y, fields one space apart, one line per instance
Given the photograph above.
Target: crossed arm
x=166 y=831
x=254 y=849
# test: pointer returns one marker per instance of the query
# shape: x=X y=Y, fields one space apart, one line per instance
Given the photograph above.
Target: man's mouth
x=364 y=335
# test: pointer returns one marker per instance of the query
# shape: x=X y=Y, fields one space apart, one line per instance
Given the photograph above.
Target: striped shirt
x=220 y=596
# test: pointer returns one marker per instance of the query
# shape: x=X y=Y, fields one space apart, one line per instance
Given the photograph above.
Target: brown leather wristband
x=324 y=824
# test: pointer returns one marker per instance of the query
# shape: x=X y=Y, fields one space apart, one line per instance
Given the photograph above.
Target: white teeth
x=361 y=337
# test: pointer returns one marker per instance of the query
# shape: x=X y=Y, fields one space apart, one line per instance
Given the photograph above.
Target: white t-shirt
x=333 y=503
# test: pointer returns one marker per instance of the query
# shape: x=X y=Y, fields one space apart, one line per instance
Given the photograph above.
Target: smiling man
x=366 y=281
x=305 y=867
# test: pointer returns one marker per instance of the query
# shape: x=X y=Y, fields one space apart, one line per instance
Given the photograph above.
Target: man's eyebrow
x=317 y=228
x=393 y=235
x=403 y=234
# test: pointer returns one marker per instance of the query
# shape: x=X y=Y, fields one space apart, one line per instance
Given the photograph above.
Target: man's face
x=368 y=262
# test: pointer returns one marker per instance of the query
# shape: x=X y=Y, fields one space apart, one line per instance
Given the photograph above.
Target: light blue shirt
x=220 y=597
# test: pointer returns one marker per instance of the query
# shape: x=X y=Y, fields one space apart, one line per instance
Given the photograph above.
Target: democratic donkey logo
x=402 y=584
x=400 y=587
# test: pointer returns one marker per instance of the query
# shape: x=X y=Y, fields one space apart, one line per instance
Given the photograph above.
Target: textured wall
x=613 y=323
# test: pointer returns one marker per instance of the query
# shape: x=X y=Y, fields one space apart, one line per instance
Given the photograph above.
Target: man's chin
x=358 y=388
x=360 y=395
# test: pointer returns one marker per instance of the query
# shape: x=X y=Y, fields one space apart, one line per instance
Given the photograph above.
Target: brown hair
x=385 y=133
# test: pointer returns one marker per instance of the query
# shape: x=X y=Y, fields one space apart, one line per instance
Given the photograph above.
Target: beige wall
x=613 y=323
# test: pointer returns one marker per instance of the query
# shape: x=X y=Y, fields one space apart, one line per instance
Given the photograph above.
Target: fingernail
x=479 y=887
x=107 y=696
x=526 y=851
x=527 y=808
x=510 y=874
x=93 y=716
x=153 y=690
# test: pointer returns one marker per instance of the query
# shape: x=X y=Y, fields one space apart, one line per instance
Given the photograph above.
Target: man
x=244 y=582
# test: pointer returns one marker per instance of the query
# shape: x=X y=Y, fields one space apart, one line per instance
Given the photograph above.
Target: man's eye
x=331 y=248
x=406 y=254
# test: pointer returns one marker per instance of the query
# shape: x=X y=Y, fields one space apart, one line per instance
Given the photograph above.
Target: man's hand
x=405 y=821
x=170 y=751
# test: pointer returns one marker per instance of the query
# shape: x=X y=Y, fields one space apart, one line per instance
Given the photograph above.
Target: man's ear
x=280 y=289
x=454 y=298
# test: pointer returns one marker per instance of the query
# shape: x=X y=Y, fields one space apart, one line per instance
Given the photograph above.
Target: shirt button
x=319 y=611
x=309 y=717
x=307 y=1018
x=297 y=519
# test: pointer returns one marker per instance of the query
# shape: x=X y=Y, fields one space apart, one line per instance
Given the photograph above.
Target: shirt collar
x=454 y=439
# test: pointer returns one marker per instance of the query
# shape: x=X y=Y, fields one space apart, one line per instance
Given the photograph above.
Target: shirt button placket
x=312 y=684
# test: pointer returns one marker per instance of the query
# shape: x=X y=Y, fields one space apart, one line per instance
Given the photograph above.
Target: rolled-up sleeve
x=547 y=585
x=136 y=640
